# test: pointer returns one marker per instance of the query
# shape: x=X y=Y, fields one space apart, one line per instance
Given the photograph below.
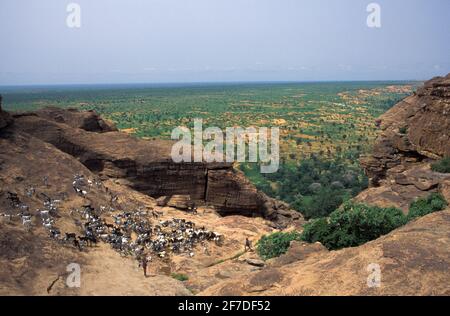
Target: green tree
x=353 y=225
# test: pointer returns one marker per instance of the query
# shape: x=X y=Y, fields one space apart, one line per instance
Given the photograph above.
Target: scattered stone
x=255 y=262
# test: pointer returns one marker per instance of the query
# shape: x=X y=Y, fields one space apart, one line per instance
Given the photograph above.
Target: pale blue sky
x=221 y=40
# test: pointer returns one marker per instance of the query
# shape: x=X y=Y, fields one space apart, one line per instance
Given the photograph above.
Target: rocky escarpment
x=415 y=129
x=86 y=120
x=411 y=260
x=38 y=153
x=146 y=166
x=32 y=263
x=414 y=133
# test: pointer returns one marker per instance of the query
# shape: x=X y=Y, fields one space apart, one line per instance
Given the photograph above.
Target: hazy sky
x=221 y=40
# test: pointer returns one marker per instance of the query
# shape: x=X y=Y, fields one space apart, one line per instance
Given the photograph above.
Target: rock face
x=414 y=130
x=30 y=261
x=45 y=149
x=86 y=120
x=413 y=260
x=414 y=133
x=234 y=194
x=299 y=251
x=146 y=166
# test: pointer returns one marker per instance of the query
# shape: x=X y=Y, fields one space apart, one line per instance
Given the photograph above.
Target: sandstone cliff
x=43 y=150
x=414 y=133
x=412 y=260
x=33 y=171
x=146 y=166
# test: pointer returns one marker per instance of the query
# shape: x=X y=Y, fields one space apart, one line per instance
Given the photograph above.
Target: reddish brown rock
x=146 y=166
x=178 y=201
x=30 y=261
x=413 y=260
x=86 y=120
x=415 y=129
x=299 y=251
x=232 y=192
x=415 y=132
x=445 y=190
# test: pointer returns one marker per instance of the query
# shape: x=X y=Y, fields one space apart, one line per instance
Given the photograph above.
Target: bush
x=442 y=165
x=316 y=230
x=276 y=244
x=432 y=203
x=353 y=225
x=180 y=276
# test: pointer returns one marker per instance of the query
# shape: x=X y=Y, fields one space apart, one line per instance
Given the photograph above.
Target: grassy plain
x=328 y=121
x=321 y=118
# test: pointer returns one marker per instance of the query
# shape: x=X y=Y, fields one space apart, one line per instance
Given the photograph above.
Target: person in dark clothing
x=248 y=244
x=77 y=244
x=144 y=264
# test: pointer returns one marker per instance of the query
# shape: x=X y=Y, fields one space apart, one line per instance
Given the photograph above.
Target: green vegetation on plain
x=276 y=244
x=321 y=118
x=324 y=127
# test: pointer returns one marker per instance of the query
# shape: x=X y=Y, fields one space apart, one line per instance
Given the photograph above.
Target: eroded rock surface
x=44 y=150
x=414 y=133
x=146 y=166
x=413 y=260
x=31 y=171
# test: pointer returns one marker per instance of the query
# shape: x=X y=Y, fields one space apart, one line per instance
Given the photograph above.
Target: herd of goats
x=131 y=233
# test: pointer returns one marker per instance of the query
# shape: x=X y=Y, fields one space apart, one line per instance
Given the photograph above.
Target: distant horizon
x=191 y=83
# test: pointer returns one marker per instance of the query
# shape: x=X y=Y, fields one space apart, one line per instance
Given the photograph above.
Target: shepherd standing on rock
x=248 y=244
x=144 y=262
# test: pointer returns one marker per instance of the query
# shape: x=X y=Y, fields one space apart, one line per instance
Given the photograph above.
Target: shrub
x=403 y=130
x=353 y=225
x=316 y=230
x=180 y=276
x=432 y=203
x=276 y=244
x=442 y=165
